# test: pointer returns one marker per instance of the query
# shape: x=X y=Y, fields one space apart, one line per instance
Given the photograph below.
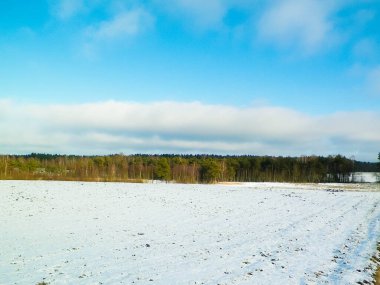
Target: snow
x=251 y=233
x=365 y=177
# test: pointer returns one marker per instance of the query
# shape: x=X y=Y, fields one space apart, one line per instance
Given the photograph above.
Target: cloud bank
x=176 y=127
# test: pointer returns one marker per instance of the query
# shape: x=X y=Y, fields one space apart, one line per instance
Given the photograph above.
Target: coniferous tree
x=162 y=169
x=210 y=171
x=378 y=168
x=180 y=168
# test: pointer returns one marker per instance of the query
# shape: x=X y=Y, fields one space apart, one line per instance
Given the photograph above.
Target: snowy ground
x=365 y=176
x=98 y=233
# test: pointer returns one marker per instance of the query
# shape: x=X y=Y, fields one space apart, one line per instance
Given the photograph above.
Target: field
x=115 y=233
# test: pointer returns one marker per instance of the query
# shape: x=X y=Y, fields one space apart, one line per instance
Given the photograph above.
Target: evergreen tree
x=161 y=169
x=181 y=168
x=210 y=171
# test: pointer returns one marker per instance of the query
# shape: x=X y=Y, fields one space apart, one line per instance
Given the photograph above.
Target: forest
x=180 y=168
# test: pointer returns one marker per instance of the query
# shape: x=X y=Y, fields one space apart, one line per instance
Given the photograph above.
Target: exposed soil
x=375 y=258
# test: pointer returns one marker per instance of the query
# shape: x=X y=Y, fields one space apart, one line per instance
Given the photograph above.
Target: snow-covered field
x=114 y=233
x=365 y=177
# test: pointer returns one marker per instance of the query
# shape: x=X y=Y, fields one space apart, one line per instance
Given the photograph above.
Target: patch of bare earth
x=377 y=273
x=377 y=276
x=230 y=183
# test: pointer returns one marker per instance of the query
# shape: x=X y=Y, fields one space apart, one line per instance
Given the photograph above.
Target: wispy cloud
x=202 y=14
x=123 y=24
x=65 y=9
x=211 y=15
x=111 y=126
x=305 y=25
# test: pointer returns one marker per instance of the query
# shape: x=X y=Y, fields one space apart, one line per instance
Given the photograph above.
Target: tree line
x=178 y=168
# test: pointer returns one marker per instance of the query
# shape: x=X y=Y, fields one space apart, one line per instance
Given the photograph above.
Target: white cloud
x=65 y=9
x=124 y=24
x=303 y=24
x=203 y=14
x=111 y=127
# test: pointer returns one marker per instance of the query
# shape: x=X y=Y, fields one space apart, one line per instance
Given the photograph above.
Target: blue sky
x=164 y=66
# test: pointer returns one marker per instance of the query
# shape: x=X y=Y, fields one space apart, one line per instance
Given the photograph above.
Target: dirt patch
x=230 y=183
x=356 y=187
x=376 y=276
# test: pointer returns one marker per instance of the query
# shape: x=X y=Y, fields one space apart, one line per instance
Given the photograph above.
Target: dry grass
x=78 y=179
x=230 y=183
x=376 y=276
